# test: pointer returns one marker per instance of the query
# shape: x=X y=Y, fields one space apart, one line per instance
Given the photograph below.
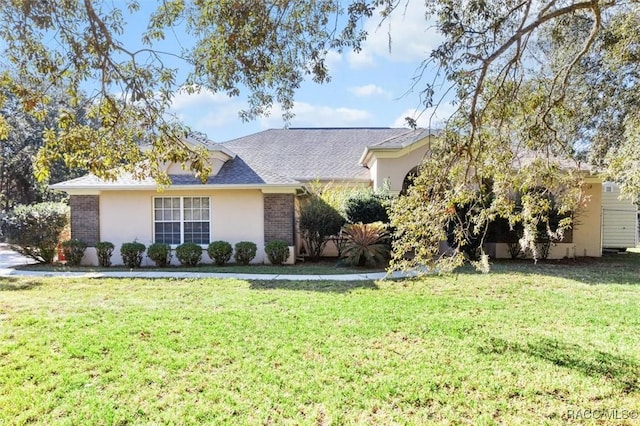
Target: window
x=180 y=220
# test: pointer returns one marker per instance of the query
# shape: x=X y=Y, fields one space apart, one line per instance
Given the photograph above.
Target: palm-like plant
x=366 y=243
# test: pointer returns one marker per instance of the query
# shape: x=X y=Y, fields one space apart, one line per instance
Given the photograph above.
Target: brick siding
x=85 y=218
x=279 y=216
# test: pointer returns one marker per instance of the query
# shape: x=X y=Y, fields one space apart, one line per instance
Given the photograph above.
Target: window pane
x=188 y=215
x=196 y=232
x=157 y=203
x=187 y=202
x=168 y=233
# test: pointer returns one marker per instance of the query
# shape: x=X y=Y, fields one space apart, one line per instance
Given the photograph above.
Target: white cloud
x=204 y=98
x=333 y=60
x=360 y=60
x=308 y=115
x=368 y=90
x=431 y=117
x=211 y=113
x=404 y=36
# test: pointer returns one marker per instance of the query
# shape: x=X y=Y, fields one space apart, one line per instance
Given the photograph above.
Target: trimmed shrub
x=220 y=252
x=245 y=251
x=318 y=221
x=132 y=254
x=367 y=207
x=34 y=230
x=277 y=251
x=189 y=254
x=104 y=250
x=160 y=253
x=367 y=243
x=74 y=251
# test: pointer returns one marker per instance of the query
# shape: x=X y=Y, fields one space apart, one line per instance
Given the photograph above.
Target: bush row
x=189 y=254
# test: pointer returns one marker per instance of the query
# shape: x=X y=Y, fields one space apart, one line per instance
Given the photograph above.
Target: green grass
x=527 y=344
x=324 y=267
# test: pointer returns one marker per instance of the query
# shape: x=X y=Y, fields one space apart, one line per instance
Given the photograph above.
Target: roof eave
x=155 y=187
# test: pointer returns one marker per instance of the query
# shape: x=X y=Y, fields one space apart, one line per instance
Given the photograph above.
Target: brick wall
x=279 y=216
x=85 y=218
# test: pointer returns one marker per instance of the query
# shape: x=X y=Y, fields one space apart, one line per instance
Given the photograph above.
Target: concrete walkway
x=9 y=259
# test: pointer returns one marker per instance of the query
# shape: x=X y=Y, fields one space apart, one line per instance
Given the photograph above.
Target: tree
x=318 y=221
x=34 y=230
x=541 y=88
x=17 y=153
x=537 y=84
x=266 y=48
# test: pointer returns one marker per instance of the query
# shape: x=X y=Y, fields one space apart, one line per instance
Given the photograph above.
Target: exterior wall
x=586 y=235
x=586 y=231
x=394 y=170
x=619 y=219
x=279 y=219
x=125 y=216
x=238 y=215
x=85 y=218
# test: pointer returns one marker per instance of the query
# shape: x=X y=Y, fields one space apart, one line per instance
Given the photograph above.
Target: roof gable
x=280 y=157
x=314 y=153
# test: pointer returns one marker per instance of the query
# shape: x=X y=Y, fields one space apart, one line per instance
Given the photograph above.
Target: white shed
x=619 y=219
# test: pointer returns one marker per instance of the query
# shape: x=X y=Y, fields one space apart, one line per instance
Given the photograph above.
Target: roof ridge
x=398 y=136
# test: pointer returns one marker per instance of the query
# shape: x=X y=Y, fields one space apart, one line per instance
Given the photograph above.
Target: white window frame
x=182 y=218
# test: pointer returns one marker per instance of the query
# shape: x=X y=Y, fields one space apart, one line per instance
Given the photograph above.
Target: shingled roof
x=283 y=157
x=306 y=154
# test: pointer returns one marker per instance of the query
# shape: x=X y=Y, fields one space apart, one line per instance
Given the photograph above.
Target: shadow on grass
x=622 y=371
x=621 y=268
x=317 y=286
x=14 y=284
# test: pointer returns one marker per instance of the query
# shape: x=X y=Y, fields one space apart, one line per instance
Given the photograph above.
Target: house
x=619 y=219
x=251 y=194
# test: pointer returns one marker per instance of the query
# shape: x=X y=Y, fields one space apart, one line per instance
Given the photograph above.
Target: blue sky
x=368 y=89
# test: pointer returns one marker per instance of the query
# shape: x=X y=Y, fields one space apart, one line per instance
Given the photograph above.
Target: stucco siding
x=586 y=231
x=394 y=170
x=125 y=216
x=239 y=216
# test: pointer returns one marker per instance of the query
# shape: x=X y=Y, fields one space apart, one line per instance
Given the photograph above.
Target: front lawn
x=546 y=344
x=327 y=266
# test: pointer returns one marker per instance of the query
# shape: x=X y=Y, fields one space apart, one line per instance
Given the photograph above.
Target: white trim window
x=178 y=220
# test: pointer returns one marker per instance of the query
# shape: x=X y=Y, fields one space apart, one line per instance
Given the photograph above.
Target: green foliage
x=220 y=252
x=104 y=250
x=367 y=207
x=245 y=251
x=132 y=254
x=17 y=181
x=91 y=45
x=277 y=251
x=160 y=253
x=366 y=243
x=538 y=85
x=34 y=230
x=74 y=251
x=189 y=254
x=318 y=220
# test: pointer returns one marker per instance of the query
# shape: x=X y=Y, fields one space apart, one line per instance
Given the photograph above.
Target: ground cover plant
x=526 y=344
